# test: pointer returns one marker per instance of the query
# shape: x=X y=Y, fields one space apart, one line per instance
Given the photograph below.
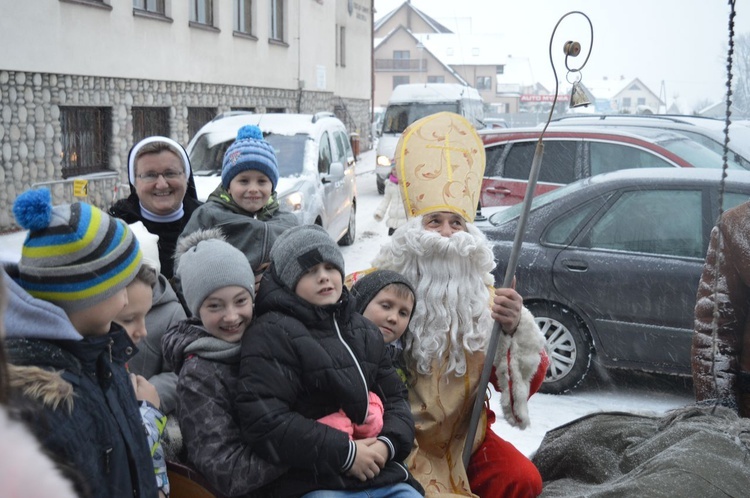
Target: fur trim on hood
x=44 y=386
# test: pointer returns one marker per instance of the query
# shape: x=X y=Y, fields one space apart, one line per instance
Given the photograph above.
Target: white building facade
x=82 y=80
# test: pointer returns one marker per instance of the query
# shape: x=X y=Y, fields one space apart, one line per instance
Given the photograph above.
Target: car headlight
x=293 y=201
x=384 y=161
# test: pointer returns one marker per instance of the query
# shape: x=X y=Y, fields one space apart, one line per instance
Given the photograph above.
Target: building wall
x=72 y=54
x=384 y=79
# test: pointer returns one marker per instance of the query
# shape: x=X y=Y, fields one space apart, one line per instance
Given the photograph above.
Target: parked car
x=610 y=265
x=708 y=132
x=316 y=165
x=575 y=152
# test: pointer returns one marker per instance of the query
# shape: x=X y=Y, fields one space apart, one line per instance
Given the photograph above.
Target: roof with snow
x=439 y=28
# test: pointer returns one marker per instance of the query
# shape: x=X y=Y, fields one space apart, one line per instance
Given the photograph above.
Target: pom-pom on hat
x=149 y=243
x=250 y=151
x=300 y=248
x=206 y=262
x=75 y=255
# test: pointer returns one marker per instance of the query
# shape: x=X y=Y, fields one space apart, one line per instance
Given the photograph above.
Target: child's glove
x=374 y=422
x=340 y=422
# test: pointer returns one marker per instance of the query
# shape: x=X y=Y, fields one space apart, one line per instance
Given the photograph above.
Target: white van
x=409 y=103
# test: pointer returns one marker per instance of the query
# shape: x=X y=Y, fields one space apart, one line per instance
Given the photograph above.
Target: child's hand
x=378 y=217
x=368 y=462
x=382 y=449
x=144 y=390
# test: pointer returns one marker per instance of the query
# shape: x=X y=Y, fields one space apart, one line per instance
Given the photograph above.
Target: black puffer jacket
x=301 y=362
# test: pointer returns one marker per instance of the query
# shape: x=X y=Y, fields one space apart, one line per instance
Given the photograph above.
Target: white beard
x=451 y=276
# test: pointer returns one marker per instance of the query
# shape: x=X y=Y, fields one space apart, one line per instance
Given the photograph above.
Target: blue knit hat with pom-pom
x=75 y=255
x=250 y=151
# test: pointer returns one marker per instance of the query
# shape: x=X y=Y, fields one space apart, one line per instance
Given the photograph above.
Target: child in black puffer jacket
x=310 y=354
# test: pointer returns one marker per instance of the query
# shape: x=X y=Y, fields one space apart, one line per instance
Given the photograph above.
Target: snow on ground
x=612 y=391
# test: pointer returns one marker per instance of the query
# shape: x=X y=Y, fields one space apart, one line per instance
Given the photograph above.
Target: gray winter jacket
x=166 y=312
x=251 y=233
x=208 y=371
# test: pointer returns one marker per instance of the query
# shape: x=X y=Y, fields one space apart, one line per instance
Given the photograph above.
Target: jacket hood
x=32 y=318
x=163 y=292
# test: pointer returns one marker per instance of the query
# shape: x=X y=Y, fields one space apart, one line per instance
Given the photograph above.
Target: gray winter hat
x=367 y=287
x=205 y=262
x=299 y=249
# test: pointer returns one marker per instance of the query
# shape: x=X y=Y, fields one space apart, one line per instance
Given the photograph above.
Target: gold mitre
x=440 y=165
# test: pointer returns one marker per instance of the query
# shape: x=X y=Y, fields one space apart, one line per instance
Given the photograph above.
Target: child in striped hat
x=64 y=294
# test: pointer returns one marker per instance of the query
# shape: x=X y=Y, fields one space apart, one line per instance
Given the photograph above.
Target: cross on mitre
x=440 y=164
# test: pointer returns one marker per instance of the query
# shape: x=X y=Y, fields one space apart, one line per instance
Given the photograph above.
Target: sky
x=680 y=42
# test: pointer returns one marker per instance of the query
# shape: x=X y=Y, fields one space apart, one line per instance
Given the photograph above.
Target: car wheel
x=381 y=184
x=351 y=231
x=568 y=344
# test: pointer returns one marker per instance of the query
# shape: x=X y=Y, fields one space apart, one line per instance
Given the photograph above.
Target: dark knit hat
x=249 y=151
x=205 y=262
x=299 y=249
x=75 y=255
x=366 y=288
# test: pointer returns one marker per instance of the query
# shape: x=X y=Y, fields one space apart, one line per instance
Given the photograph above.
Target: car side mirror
x=335 y=172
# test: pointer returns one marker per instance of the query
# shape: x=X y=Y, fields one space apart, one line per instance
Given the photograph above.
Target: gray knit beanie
x=205 y=262
x=299 y=249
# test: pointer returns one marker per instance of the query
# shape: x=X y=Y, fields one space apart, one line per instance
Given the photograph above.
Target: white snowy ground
x=613 y=391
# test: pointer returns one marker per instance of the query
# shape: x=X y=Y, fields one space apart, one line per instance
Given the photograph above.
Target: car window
x=493 y=160
x=605 y=157
x=558 y=161
x=732 y=199
x=337 y=148
x=652 y=221
x=324 y=154
x=343 y=147
x=564 y=229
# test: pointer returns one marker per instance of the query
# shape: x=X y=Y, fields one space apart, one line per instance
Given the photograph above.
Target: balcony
x=401 y=65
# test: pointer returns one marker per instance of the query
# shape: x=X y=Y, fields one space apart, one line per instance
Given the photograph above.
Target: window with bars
x=150 y=121
x=243 y=16
x=202 y=12
x=277 y=20
x=197 y=117
x=154 y=6
x=86 y=133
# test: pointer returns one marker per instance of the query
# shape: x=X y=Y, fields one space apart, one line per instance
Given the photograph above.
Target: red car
x=577 y=152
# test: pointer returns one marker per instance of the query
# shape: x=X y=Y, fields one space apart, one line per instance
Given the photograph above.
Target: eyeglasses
x=153 y=177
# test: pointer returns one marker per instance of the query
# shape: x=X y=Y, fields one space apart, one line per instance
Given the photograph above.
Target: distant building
x=621 y=96
x=82 y=80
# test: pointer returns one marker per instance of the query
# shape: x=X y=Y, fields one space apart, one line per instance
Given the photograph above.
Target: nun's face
x=160 y=182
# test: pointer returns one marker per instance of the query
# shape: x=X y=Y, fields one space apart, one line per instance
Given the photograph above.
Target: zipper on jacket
x=107 y=458
x=356 y=362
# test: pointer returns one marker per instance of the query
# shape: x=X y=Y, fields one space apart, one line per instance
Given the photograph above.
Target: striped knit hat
x=75 y=255
x=250 y=151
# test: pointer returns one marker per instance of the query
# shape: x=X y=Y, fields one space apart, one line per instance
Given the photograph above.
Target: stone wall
x=30 y=129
